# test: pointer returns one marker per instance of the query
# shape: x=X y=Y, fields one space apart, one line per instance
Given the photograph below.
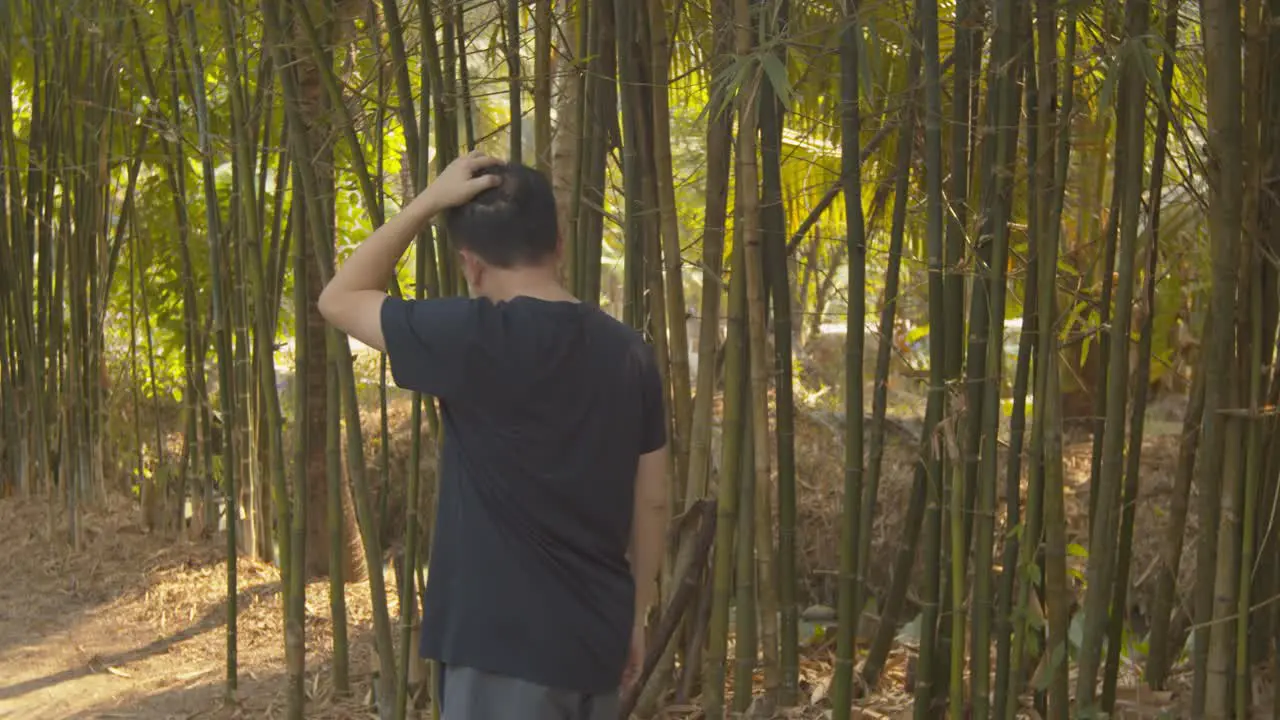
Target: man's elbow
x=654 y=500
x=327 y=304
x=355 y=313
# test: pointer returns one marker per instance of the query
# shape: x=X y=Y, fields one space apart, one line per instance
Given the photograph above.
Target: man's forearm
x=354 y=299
x=649 y=531
x=373 y=263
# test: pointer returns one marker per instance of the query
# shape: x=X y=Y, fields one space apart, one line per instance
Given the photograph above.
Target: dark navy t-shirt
x=547 y=407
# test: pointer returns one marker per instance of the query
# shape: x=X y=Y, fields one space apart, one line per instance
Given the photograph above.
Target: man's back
x=554 y=454
x=547 y=408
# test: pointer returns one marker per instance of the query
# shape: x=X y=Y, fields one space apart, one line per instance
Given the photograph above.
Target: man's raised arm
x=352 y=301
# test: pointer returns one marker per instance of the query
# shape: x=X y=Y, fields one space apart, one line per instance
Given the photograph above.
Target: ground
x=133 y=625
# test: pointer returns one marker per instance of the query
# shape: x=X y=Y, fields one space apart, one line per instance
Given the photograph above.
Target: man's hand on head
x=458 y=182
x=352 y=301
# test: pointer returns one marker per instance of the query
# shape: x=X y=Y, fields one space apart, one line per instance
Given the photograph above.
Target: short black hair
x=509 y=225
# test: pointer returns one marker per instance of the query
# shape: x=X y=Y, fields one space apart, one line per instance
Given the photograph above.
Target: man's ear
x=472 y=268
x=558 y=260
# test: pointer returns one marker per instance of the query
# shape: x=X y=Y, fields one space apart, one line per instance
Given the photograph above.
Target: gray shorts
x=468 y=694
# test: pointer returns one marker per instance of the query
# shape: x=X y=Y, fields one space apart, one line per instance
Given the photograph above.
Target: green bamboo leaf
x=1071 y=319
x=1055 y=661
x=1037 y=623
x=1094 y=321
x=1110 y=70
x=910 y=633
x=1075 y=632
x=866 y=82
x=777 y=73
x=1152 y=72
x=725 y=86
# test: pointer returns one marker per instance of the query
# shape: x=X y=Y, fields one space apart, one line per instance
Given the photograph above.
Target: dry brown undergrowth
x=133 y=625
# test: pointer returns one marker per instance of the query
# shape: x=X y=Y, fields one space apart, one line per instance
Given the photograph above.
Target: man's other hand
x=635 y=659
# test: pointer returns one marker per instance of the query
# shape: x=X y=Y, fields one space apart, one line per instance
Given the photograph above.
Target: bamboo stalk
x=159 y=469
x=1014 y=473
x=1142 y=378
x=295 y=578
x=511 y=27
x=634 y=179
x=888 y=310
x=346 y=125
x=728 y=491
x=747 y=218
x=577 y=236
x=542 y=84
x=286 y=527
x=1252 y=273
x=440 y=279
x=222 y=333
x=404 y=91
x=143 y=488
x=850 y=572
x=681 y=601
x=1111 y=234
x=1161 y=637
x=603 y=97
x=195 y=341
x=672 y=260
x=773 y=223
x=922 y=497
x=1102 y=563
x=1001 y=201
x=413 y=501
x=338 y=543
x=1045 y=510
x=960 y=483
x=746 y=625
x=337 y=347
x=464 y=80
x=384 y=421
x=926 y=682
x=1271 y=311
x=719 y=137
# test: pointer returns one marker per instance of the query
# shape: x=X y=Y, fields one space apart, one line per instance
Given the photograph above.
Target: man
x=552 y=508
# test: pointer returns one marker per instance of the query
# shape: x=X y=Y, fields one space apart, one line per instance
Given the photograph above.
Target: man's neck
x=538 y=283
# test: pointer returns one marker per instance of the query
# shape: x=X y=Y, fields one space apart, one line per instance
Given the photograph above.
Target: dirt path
x=98 y=663
x=134 y=626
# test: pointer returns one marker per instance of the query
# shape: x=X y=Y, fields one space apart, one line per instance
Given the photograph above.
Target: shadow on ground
x=49 y=587
x=258 y=697
x=215 y=618
x=133 y=625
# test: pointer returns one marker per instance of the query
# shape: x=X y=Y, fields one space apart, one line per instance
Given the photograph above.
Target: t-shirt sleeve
x=428 y=342
x=653 y=431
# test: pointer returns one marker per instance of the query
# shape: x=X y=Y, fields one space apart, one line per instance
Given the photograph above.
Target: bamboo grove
x=1040 y=189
